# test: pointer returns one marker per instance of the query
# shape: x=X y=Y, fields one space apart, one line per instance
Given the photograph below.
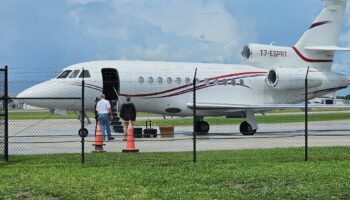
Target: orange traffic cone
x=98 y=139
x=130 y=145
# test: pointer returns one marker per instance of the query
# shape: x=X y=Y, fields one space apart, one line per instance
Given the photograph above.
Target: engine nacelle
x=268 y=55
x=286 y=78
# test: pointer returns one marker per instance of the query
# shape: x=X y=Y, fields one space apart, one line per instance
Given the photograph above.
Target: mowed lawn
x=244 y=174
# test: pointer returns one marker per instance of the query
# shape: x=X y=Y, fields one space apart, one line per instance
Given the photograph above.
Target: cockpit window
x=86 y=74
x=64 y=74
x=74 y=74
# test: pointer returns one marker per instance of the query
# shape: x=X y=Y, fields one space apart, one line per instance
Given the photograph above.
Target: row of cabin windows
x=168 y=80
x=178 y=80
x=74 y=74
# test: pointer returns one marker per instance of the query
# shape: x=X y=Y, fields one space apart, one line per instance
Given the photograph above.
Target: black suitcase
x=137 y=132
x=149 y=132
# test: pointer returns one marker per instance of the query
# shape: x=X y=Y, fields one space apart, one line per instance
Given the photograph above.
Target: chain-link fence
x=3 y=136
x=48 y=124
x=35 y=129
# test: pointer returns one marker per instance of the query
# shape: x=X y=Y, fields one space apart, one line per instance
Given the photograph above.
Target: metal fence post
x=194 y=119
x=82 y=118
x=306 y=115
x=6 y=99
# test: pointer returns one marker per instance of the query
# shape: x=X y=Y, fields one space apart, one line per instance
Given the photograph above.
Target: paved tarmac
x=61 y=136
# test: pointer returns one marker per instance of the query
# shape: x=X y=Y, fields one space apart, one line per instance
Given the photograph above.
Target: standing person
x=96 y=113
x=103 y=108
x=127 y=112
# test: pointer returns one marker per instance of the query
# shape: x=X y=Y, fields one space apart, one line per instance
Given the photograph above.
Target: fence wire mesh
x=49 y=133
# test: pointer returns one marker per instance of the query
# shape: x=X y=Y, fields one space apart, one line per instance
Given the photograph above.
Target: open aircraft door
x=111 y=83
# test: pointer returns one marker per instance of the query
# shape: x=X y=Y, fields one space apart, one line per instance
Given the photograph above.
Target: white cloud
x=159 y=52
x=83 y=2
x=345 y=35
x=340 y=68
x=177 y=30
x=204 y=20
x=342 y=64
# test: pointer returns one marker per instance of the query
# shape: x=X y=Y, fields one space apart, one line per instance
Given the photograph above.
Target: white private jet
x=272 y=78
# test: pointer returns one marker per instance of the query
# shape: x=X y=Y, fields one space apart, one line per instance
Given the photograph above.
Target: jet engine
x=267 y=55
x=286 y=78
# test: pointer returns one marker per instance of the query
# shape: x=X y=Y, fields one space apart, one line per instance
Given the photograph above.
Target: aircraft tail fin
x=319 y=42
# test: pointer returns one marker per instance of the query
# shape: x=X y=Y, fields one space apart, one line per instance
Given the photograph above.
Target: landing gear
x=246 y=129
x=250 y=126
x=202 y=127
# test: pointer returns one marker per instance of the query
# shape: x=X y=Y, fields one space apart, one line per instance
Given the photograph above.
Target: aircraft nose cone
x=27 y=96
x=35 y=91
x=52 y=95
x=26 y=93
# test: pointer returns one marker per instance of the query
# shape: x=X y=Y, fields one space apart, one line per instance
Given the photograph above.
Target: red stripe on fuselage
x=308 y=59
x=184 y=86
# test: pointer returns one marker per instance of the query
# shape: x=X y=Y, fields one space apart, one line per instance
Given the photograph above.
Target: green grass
x=285 y=118
x=245 y=174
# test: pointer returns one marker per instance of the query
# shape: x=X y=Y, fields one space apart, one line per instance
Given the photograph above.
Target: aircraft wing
x=240 y=107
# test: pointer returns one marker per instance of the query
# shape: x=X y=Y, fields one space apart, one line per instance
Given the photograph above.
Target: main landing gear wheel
x=202 y=127
x=246 y=129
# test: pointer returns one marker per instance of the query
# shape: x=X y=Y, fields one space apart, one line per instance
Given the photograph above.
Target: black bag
x=138 y=132
x=149 y=132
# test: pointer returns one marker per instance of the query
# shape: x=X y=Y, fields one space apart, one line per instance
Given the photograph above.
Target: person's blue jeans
x=104 y=123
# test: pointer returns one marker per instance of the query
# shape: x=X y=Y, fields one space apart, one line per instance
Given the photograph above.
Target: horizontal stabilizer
x=326 y=48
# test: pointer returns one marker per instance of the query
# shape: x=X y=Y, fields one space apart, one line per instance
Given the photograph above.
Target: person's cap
x=103 y=96
x=128 y=98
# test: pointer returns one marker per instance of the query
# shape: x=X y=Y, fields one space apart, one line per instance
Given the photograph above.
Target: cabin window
x=150 y=80
x=178 y=80
x=74 y=74
x=241 y=82
x=141 y=79
x=64 y=74
x=160 y=80
x=187 y=80
x=169 y=80
x=85 y=73
x=233 y=82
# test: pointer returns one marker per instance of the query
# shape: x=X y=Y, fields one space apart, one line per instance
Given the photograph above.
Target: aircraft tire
x=246 y=129
x=202 y=127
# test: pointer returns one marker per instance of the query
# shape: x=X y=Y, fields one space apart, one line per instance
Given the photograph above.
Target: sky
x=39 y=37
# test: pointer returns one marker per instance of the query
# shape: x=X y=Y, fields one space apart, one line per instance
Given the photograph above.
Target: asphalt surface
x=61 y=136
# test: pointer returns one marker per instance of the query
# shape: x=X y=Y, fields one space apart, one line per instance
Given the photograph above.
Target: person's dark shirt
x=96 y=114
x=128 y=112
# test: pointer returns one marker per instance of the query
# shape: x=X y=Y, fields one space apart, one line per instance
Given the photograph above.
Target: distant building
x=12 y=105
x=328 y=101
